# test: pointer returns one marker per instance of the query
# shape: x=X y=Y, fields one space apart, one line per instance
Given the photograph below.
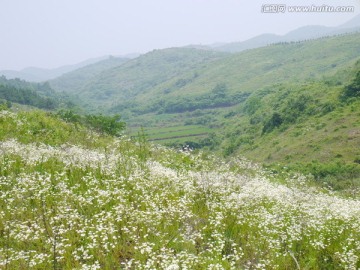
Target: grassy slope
x=157 y=79
x=114 y=86
x=253 y=69
x=76 y=80
x=326 y=138
x=277 y=75
x=39 y=95
x=320 y=132
x=315 y=59
x=72 y=199
x=317 y=123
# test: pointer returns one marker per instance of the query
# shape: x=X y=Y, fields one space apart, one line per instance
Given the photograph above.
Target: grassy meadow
x=263 y=170
x=72 y=198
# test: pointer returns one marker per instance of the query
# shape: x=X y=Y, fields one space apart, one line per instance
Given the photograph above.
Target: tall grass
x=106 y=203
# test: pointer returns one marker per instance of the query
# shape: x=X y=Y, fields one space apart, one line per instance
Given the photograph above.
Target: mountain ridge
x=158 y=76
x=39 y=74
x=299 y=34
x=35 y=74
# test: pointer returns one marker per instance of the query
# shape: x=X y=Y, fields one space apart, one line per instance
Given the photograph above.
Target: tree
x=275 y=121
x=353 y=89
x=104 y=124
x=219 y=90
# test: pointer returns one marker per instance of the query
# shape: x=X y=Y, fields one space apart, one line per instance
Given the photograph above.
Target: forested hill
x=39 y=95
x=82 y=77
x=257 y=103
x=122 y=84
x=184 y=79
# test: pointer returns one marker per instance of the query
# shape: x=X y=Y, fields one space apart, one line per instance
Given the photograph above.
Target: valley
x=235 y=156
x=225 y=102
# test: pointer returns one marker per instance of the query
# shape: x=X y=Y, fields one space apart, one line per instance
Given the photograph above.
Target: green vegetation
x=110 y=125
x=80 y=78
x=25 y=96
x=353 y=89
x=74 y=199
x=307 y=127
x=177 y=136
x=178 y=80
x=221 y=92
x=78 y=194
x=39 y=95
x=45 y=127
x=114 y=89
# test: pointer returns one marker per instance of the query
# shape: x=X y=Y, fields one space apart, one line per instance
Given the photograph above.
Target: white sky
x=52 y=33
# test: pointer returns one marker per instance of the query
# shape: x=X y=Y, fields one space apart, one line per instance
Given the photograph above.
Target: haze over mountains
x=228 y=100
x=307 y=32
x=35 y=74
x=302 y=33
x=287 y=103
x=40 y=74
x=185 y=78
x=228 y=156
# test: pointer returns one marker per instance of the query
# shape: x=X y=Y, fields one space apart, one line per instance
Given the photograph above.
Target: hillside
x=78 y=79
x=280 y=104
x=300 y=34
x=248 y=71
x=74 y=199
x=311 y=127
x=39 y=95
x=35 y=74
x=305 y=126
x=121 y=84
x=178 y=80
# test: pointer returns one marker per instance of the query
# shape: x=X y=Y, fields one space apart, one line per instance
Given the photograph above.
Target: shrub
x=110 y=125
x=275 y=121
x=353 y=89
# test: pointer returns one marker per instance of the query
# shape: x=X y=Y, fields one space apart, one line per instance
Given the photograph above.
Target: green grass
x=168 y=133
x=74 y=199
x=318 y=129
x=154 y=82
x=274 y=77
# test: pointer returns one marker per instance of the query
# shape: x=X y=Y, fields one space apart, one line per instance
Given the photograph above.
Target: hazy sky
x=51 y=33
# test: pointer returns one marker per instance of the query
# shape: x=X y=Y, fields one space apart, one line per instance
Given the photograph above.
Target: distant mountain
x=302 y=33
x=307 y=32
x=180 y=80
x=275 y=104
x=38 y=95
x=34 y=74
x=256 y=42
x=112 y=86
x=354 y=22
x=78 y=79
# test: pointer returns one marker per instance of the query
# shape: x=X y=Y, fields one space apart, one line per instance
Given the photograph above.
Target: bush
x=275 y=121
x=353 y=89
x=106 y=124
x=110 y=125
x=337 y=175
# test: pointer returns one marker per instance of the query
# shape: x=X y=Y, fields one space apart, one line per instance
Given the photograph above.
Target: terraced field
x=174 y=134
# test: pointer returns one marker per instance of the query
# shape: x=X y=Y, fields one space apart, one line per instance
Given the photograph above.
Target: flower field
x=73 y=199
